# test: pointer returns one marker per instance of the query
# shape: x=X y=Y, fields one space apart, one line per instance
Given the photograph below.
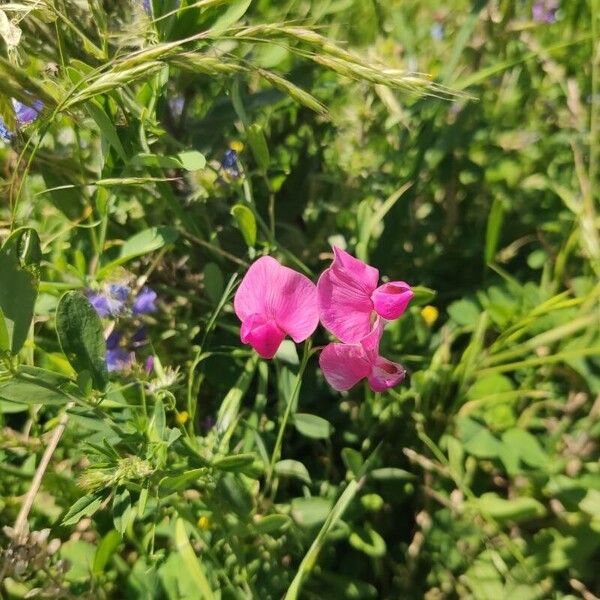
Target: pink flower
x=344 y=365
x=272 y=302
x=350 y=301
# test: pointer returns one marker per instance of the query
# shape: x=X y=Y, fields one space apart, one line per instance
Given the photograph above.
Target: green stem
x=288 y=410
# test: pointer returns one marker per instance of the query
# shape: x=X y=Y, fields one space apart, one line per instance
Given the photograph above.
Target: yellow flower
x=204 y=522
x=182 y=417
x=236 y=146
x=430 y=314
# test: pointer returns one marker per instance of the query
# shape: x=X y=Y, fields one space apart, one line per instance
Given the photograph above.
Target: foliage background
x=478 y=477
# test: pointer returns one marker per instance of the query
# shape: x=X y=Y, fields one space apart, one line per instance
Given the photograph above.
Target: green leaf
x=312 y=426
x=390 y=474
x=123 y=513
x=272 y=524
x=515 y=509
x=422 y=295
x=147 y=241
x=526 y=446
x=235 y=462
x=246 y=223
x=213 y=282
x=4 y=336
x=367 y=540
x=144 y=159
x=191 y=562
x=258 y=145
x=24 y=389
x=235 y=12
x=175 y=483
x=494 y=226
x=477 y=440
x=353 y=460
x=20 y=258
x=86 y=506
x=293 y=468
x=79 y=556
x=464 y=312
x=81 y=337
x=108 y=130
x=106 y=549
x=192 y=160
x=310 y=512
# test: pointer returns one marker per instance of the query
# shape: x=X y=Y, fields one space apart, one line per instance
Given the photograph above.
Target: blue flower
x=147 y=4
x=111 y=302
x=5 y=132
x=117 y=357
x=27 y=114
x=24 y=115
x=144 y=302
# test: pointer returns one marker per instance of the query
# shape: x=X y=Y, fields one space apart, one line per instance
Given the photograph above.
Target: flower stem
x=288 y=409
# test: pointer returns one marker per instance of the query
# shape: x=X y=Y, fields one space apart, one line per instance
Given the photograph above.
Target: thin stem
x=288 y=410
x=21 y=521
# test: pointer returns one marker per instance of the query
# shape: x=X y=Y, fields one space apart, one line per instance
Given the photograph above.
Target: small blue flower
x=118 y=358
x=229 y=163
x=144 y=302
x=147 y=4
x=111 y=302
x=27 y=114
x=437 y=31
x=5 y=132
x=176 y=105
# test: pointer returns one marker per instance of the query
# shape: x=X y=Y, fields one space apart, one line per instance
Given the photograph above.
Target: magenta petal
x=344 y=365
x=281 y=295
x=344 y=294
x=262 y=334
x=385 y=374
x=391 y=299
x=295 y=307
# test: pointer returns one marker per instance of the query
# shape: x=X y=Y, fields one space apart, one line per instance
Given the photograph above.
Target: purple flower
x=144 y=302
x=27 y=114
x=544 y=11
x=229 y=163
x=147 y=4
x=111 y=302
x=118 y=358
x=176 y=105
x=149 y=366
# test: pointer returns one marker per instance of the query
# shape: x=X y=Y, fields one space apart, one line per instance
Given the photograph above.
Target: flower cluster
x=116 y=301
x=24 y=115
x=274 y=301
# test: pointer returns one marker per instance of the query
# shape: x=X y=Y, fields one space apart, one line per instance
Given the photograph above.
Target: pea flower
x=350 y=301
x=118 y=357
x=344 y=365
x=144 y=302
x=273 y=301
x=24 y=115
x=111 y=302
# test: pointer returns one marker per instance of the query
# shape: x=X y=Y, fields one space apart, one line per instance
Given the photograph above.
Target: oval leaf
x=81 y=337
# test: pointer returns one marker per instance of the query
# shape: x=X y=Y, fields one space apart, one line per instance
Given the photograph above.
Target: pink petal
x=344 y=365
x=255 y=293
x=295 y=305
x=344 y=294
x=391 y=299
x=385 y=374
x=279 y=294
x=346 y=265
x=370 y=342
x=262 y=334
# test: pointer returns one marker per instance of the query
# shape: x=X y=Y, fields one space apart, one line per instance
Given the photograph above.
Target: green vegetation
x=153 y=151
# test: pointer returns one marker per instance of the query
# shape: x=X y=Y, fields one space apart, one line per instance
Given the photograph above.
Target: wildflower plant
x=298 y=301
